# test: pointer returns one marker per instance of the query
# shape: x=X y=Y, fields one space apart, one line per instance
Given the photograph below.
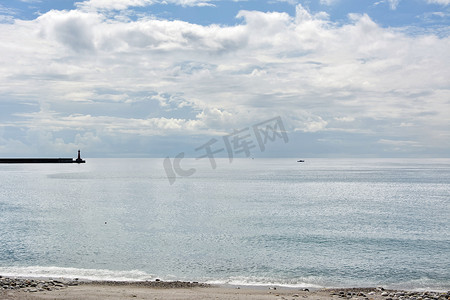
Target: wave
x=310 y=282
x=421 y=284
x=71 y=273
x=138 y=275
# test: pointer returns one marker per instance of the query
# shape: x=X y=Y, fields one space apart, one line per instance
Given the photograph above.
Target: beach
x=23 y=288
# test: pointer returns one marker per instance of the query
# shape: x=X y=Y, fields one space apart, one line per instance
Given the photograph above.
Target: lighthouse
x=79 y=160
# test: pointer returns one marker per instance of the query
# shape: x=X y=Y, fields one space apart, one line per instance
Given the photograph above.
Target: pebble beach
x=32 y=288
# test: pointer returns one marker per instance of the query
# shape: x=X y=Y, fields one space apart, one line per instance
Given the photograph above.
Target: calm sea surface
x=325 y=222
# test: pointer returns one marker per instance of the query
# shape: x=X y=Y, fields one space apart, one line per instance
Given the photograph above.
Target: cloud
x=291 y=2
x=392 y=3
x=6 y=19
x=328 y=2
x=54 y=122
x=72 y=29
x=400 y=145
x=441 y=2
x=7 y=14
x=83 y=73
x=125 y=4
x=112 y=4
x=31 y=1
x=344 y=119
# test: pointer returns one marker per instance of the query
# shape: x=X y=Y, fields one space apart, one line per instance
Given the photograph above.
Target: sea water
x=321 y=223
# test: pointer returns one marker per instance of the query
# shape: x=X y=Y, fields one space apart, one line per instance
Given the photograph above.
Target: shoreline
x=33 y=288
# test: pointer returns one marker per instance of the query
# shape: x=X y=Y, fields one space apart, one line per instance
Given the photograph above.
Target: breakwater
x=40 y=161
x=43 y=160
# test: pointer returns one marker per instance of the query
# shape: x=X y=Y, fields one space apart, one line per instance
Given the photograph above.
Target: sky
x=156 y=78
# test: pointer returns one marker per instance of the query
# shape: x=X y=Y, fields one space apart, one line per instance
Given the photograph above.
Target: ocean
x=321 y=223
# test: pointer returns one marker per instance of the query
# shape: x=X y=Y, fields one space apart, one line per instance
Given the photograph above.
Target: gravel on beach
x=187 y=290
x=38 y=285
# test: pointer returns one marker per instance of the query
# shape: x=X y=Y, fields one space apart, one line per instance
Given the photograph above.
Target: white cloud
x=344 y=119
x=6 y=19
x=393 y=4
x=31 y=1
x=54 y=122
x=112 y=4
x=328 y=2
x=91 y=72
x=125 y=4
x=72 y=29
x=291 y=2
x=400 y=145
x=398 y=142
x=442 y=2
x=7 y=11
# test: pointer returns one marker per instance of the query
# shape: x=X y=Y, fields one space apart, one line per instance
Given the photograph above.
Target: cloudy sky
x=153 y=78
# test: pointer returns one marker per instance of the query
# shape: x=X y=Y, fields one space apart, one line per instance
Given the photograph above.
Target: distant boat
x=301 y=160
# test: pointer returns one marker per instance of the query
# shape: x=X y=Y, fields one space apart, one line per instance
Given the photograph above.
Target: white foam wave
x=263 y=282
x=421 y=285
x=71 y=273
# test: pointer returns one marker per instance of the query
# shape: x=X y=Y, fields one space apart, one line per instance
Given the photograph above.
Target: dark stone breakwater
x=34 y=285
x=151 y=284
x=37 y=285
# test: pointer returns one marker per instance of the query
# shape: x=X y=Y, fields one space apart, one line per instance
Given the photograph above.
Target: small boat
x=301 y=160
